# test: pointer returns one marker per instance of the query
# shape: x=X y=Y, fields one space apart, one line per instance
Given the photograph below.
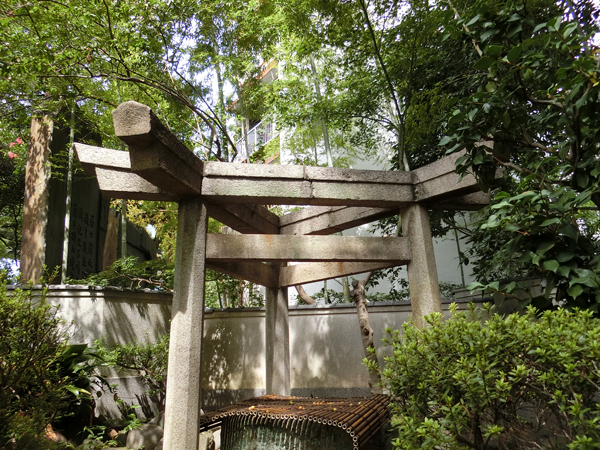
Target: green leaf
x=554 y=24
x=494 y=50
x=491 y=87
x=582 y=179
x=544 y=246
x=489 y=33
x=575 y=291
x=445 y=140
x=514 y=53
x=473 y=20
x=472 y=114
x=514 y=29
x=569 y=29
x=548 y=222
x=539 y=27
x=563 y=271
x=552 y=265
x=484 y=63
x=565 y=255
x=506 y=119
x=569 y=231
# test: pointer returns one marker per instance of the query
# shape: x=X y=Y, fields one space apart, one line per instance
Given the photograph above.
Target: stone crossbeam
x=253 y=247
x=323 y=220
x=304 y=185
x=311 y=272
x=253 y=271
x=113 y=170
x=156 y=153
x=439 y=181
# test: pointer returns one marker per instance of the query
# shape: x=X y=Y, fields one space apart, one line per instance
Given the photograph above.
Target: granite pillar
x=422 y=272
x=277 y=343
x=182 y=407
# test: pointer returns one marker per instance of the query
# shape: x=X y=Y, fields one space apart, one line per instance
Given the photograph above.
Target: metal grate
x=360 y=417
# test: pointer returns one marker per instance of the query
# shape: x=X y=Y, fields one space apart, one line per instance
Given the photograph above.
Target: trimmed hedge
x=513 y=382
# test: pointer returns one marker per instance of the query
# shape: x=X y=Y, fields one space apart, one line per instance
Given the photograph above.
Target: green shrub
x=148 y=360
x=520 y=381
x=157 y=274
x=41 y=377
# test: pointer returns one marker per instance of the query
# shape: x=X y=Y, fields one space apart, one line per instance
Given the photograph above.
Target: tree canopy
x=513 y=82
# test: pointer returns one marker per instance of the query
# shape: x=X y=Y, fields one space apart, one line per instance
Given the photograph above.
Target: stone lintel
x=469 y=202
x=438 y=181
x=311 y=272
x=254 y=271
x=303 y=192
x=91 y=157
x=323 y=220
x=446 y=187
x=156 y=153
x=245 y=219
x=121 y=184
x=253 y=247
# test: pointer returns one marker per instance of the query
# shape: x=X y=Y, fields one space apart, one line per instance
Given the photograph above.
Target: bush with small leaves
x=42 y=378
x=514 y=382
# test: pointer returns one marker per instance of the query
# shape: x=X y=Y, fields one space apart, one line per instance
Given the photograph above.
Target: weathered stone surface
x=469 y=202
x=277 y=339
x=245 y=219
x=182 y=405
x=156 y=153
x=445 y=186
x=324 y=220
x=120 y=184
x=255 y=271
x=437 y=168
x=214 y=169
x=356 y=176
x=91 y=157
x=303 y=192
x=146 y=437
x=311 y=272
x=110 y=251
x=206 y=441
x=297 y=185
x=305 y=248
x=361 y=194
x=438 y=181
x=265 y=191
x=422 y=272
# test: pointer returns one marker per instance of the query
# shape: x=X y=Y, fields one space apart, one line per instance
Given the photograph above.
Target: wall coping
x=112 y=293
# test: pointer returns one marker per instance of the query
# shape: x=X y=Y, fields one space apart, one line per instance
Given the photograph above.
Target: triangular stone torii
x=159 y=166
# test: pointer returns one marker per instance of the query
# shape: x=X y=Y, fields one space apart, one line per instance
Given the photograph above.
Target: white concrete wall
x=325 y=343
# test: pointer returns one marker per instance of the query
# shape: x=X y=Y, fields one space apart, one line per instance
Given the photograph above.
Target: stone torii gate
x=159 y=166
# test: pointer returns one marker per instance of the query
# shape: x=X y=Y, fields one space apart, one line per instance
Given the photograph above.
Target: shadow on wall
x=319 y=369
x=127 y=321
x=233 y=358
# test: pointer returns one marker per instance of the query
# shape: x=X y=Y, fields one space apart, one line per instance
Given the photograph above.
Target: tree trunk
x=358 y=293
x=304 y=296
x=323 y=122
x=35 y=207
x=65 y=257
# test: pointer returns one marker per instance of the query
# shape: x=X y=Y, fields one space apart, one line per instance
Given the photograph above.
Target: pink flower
x=19 y=141
x=12 y=155
x=12 y=144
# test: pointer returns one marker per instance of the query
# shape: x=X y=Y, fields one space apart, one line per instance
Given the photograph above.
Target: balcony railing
x=257 y=136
